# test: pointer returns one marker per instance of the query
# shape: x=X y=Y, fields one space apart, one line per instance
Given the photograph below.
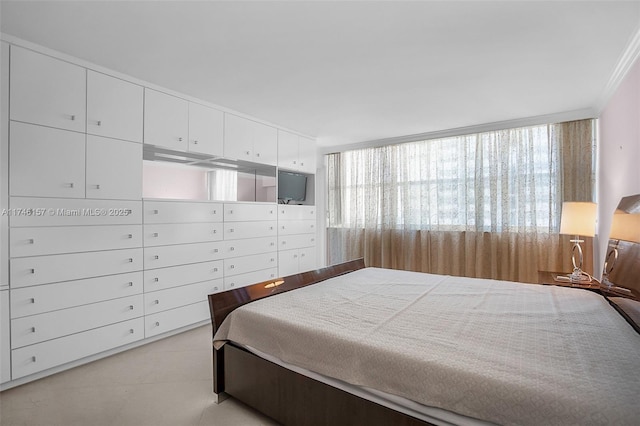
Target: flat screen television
x=291 y=186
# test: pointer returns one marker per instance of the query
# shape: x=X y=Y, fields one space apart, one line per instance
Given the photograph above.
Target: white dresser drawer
x=239 y=230
x=41 y=356
x=249 y=212
x=181 y=233
x=293 y=212
x=172 y=319
x=73 y=239
x=243 y=280
x=289 y=242
x=181 y=212
x=245 y=247
x=52 y=325
x=158 y=301
x=163 y=278
x=161 y=257
x=50 y=297
x=26 y=271
x=293 y=227
x=66 y=211
x=244 y=264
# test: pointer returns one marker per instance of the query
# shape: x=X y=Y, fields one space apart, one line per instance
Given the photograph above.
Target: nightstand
x=549 y=278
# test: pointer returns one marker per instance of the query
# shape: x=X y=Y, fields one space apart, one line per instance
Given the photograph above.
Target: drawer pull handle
x=271 y=228
x=295 y=256
x=313 y=239
x=232 y=267
x=131 y=330
x=155 y=212
x=32 y=270
x=31 y=241
x=33 y=359
x=130 y=260
x=129 y=235
x=258 y=155
x=32 y=300
x=195 y=142
x=230 y=211
x=231 y=230
x=272 y=260
x=156 y=302
x=156 y=257
x=180 y=139
x=272 y=244
x=131 y=307
x=155 y=234
x=33 y=329
x=215 y=231
x=156 y=279
x=215 y=250
x=97 y=186
x=284 y=242
x=232 y=248
x=99 y=123
x=215 y=289
x=232 y=285
x=270 y=211
x=70 y=185
x=302 y=255
x=130 y=284
x=157 y=324
x=312 y=226
x=73 y=117
x=215 y=269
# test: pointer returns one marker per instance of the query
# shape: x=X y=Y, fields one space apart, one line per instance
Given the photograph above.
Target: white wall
x=619 y=154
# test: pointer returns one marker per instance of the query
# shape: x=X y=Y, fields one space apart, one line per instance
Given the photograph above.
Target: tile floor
x=167 y=382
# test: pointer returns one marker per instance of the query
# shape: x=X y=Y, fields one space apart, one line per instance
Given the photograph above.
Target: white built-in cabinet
x=296 y=152
x=92 y=267
x=47 y=91
x=177 y=124
x=296 y=239
x=249 y=140
x=114 y=107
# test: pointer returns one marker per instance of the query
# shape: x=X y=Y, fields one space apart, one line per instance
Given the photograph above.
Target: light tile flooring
x=167 y=382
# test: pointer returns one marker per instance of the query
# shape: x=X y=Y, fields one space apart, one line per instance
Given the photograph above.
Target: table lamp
x=624 y=227
x=578 y=219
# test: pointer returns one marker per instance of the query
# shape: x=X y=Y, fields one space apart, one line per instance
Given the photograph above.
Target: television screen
x=291 y=186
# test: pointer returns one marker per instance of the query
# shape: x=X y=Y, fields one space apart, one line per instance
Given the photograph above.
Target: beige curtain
x=484 y=205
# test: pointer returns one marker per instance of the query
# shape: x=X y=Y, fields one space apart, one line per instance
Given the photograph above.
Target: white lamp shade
x=578 y=218
x=625 y=227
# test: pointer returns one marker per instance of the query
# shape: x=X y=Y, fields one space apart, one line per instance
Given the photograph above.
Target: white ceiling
x=349 y=72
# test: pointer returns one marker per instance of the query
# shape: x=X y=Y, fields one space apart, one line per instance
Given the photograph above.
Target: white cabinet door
x=47 y=91
x=114 y=107
x=238 y=138
x=114 y=169
x=5 y=343
x=265 y=144
x=166 y=120
x=287 y=150
x=205 y=130
x=288 y=262
x=307 y=155
x=307 y=259
x=46 y=162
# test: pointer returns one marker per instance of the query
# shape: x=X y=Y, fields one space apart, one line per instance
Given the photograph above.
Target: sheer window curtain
x=483 y=205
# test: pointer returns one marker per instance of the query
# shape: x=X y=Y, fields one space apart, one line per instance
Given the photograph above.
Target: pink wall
x=619 y=154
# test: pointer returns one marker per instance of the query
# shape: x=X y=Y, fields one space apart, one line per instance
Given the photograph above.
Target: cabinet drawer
x=289 y=242
x=181 y=212
x=161 y=257
x=70 y=239
x=292 y=212
x=239 y=230
x=242 y=265
x=172 y=319
x=292 y=227
x=249 y=212
x=175 y=297
x=50 y=297
x=246 y=247
x=26 y=271
x=52 y=325
x=64 y=212
x=182 y=233
x=163 y=278
x=243 y=280
x=41 y=356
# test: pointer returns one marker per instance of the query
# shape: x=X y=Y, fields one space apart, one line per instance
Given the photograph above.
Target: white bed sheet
x=502 y=352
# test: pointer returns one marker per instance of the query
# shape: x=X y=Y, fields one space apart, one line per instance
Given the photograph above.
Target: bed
x=354 y=345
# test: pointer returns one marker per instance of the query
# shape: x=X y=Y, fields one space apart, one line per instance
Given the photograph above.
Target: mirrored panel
x=622 y=264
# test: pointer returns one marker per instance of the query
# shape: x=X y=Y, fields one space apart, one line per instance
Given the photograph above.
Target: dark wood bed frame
x=286 y=396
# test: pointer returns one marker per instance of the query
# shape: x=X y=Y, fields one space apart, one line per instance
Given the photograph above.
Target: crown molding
x=626 y=61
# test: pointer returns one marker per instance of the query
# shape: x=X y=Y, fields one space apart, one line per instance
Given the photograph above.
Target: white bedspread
x=503 y=352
